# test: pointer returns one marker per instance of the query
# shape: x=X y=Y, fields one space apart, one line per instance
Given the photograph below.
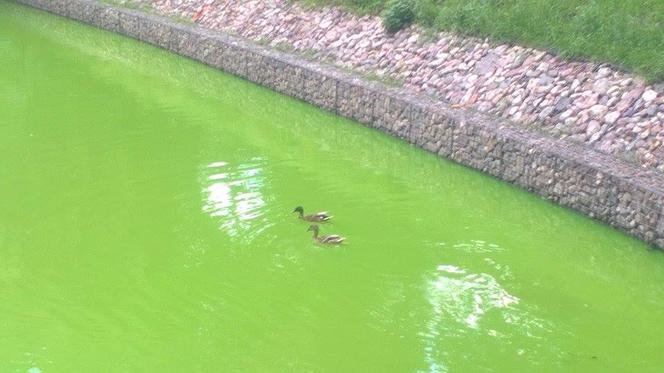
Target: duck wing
x=333 y=238
x=323 y=215
x=319 y=216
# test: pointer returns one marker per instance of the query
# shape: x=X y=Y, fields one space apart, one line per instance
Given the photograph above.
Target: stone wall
x=595 y=184
x=608 y=110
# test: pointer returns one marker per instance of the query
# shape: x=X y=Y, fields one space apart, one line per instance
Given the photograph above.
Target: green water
x=145 y=226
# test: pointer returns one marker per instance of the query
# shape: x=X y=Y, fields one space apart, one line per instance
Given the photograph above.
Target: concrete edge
x=595 y=184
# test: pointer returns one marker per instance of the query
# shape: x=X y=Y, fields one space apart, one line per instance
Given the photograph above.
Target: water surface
x=145 y=225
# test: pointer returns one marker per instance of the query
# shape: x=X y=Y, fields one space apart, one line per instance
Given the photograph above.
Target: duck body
x=317 y=217
x=331 y=239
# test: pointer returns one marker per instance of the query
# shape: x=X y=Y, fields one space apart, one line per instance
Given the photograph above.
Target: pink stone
x=593 y=127
x=612 y=117
x=649 y=95
x=588 y=100
x=598 y=111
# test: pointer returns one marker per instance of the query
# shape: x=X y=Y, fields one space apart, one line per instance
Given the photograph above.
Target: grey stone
x=486 y=64
x=651 y=110
x=155 y=33
x=355 y=100
x=562 y=104
x=107 y=18
x=319 y=89
x=129 y=24
x=546 y=112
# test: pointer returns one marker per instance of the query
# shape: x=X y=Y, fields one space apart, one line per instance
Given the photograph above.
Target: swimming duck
x=331 y=239
x=319 y=216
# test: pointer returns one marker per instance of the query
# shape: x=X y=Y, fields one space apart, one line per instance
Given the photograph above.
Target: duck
x=331 y=239
x=319 y=216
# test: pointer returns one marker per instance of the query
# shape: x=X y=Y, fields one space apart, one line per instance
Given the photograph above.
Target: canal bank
x=598 y=185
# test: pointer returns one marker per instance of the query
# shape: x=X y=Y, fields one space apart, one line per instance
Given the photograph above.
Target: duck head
x=299 y=209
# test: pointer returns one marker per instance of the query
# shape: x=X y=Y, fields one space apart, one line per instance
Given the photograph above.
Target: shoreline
x=596 y=184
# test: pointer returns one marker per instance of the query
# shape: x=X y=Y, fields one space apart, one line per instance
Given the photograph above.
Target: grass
x=129 y=4
x=146 y=8
x=386 y=80
x=626 y=33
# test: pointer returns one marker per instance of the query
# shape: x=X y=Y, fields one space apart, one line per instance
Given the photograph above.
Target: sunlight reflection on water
x=234 y=196
x=460 y=301
x=466 y=297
